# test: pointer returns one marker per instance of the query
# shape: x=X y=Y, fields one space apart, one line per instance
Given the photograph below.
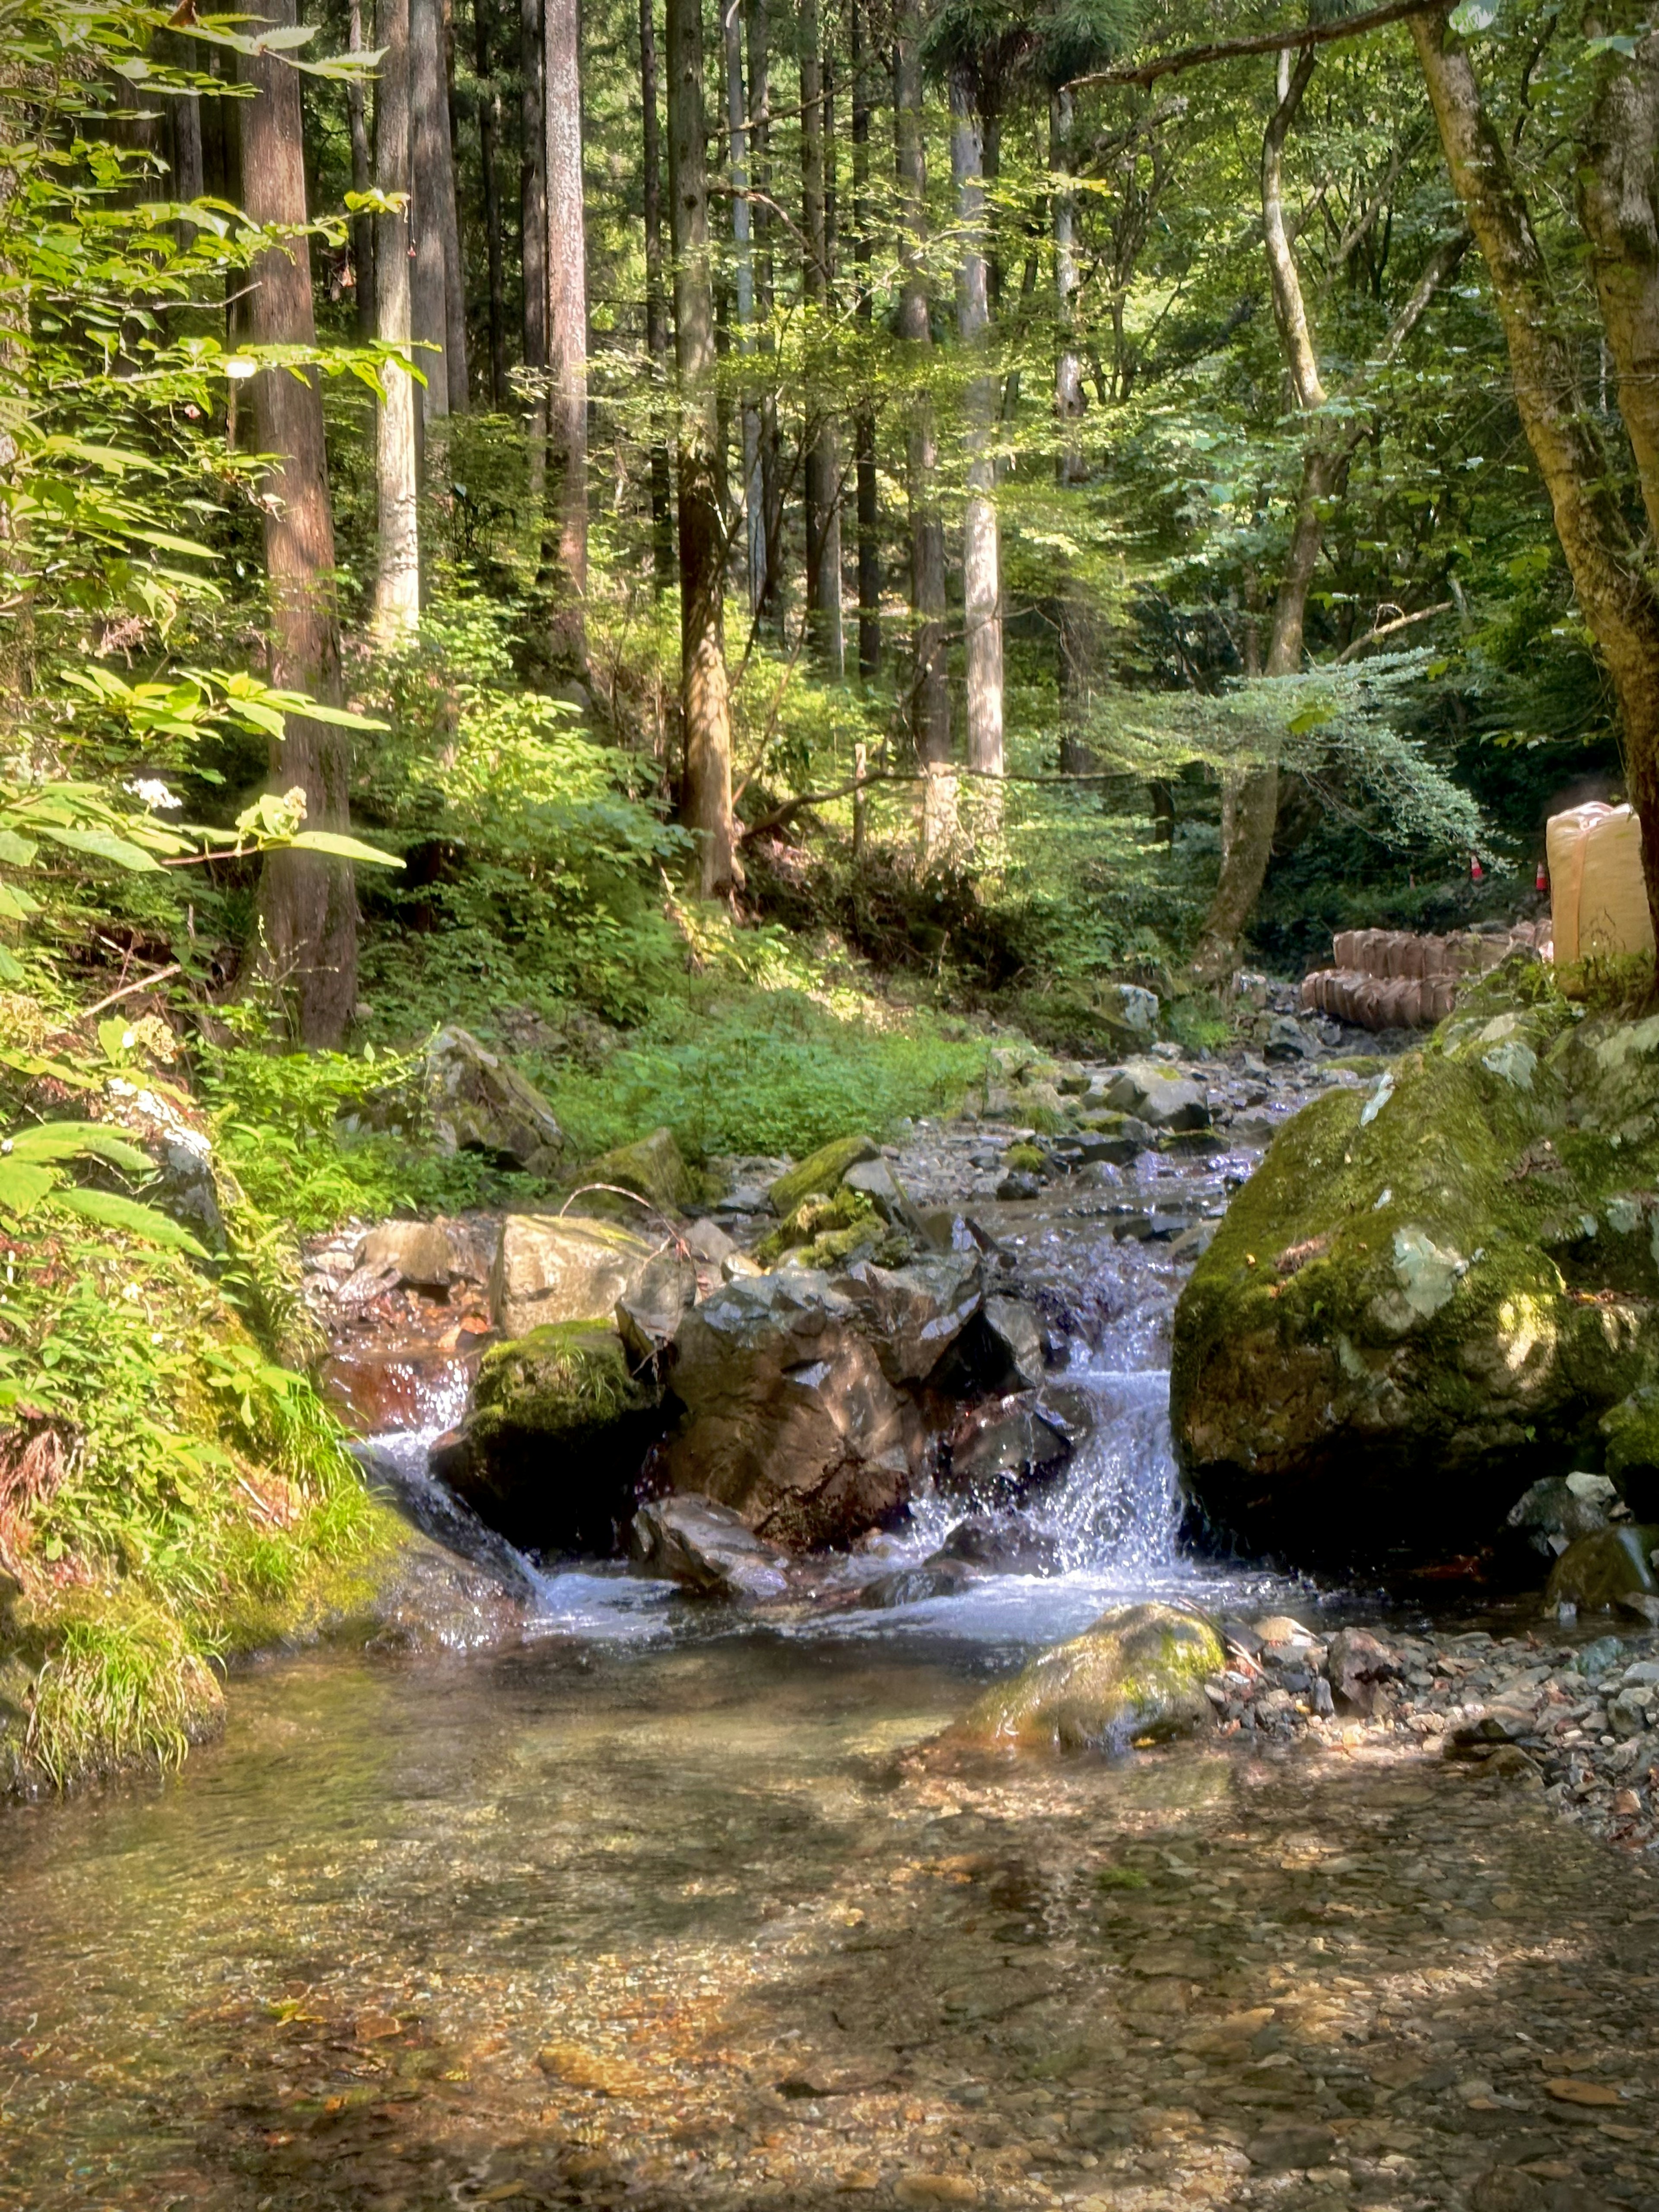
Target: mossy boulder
x=1137 y=1674
x=820 y=1174
x=652 y=1168
x=1612 y=1568
x=1632 y=1430
x=1428 y=1294
x=558 y=1430
x=826 y=1233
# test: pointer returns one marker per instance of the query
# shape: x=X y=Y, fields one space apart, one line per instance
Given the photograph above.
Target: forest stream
x=654 y=1910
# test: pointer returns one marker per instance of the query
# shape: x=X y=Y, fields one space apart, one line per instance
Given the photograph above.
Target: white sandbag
x=1598 y=897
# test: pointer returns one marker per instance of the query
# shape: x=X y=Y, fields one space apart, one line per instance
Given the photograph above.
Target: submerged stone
x=1139 y=1673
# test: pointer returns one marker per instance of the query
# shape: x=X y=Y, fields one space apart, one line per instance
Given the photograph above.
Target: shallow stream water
x=656 y=1911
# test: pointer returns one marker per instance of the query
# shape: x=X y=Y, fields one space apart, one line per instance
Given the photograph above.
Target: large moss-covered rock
x=551 y=1449
x=652 y=1168
x=1429 y=1293
x=1610 y=1567
x=820 y=1174
x=1138 y=1674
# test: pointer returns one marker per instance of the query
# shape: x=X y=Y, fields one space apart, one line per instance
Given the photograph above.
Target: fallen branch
x=127 y=989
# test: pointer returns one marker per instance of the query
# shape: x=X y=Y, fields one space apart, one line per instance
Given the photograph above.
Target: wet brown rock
x=550 y=1268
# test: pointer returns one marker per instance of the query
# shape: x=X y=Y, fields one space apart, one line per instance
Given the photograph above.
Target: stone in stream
x=707 y=1549
x=1357 y=1664
x=998 y=1449
x=1157 y=1094
x=914 y=1315
x=552 y=1446
x=1003 y=1544
x=480 y=1102
x=1416 y=1305
x=1554 y=1512
x=1611 y=1568
x=1139 y=1673
x=562 y=1268
x=789 y=1420
x=418 y=1252
x=820 y=1174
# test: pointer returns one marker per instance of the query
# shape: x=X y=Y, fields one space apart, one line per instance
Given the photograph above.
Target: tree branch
x=1262 y=42
x=1387 y=629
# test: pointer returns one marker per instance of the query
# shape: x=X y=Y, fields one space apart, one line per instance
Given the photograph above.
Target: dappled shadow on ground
x=620 y=1966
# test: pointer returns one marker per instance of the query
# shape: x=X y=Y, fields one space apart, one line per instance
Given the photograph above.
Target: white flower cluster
x=154 y=794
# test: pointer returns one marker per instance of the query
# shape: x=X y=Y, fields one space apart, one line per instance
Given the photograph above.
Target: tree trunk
x=449 y=220
x=396 y=459
x=567 y=271
x=1614 y=593
x=429 y=309
x=533 y=180
x=869 y=512
x=981 y=552
x=760 y=145
x=656 y=310
x=489 y=132
x=1619 y=207
x=362 y=226
x=307 y=904
x=930 y=696
x=822 y=501
x=754 y=519
x=704 y=706
x=1070 y=403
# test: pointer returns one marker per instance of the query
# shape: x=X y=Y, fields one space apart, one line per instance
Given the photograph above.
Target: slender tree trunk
x=428 y=308
x=532 y=180
x=656 y=308
x=307 y=904
x=704 y=706
x=754 y=519
x=362 y=226
x=930 y=696
x=489 y=133
x=981 y=552
x=869 y=512
x=1070 y=403
x=449 y=220
x=567 y=268
x=1614 y=589
x=822 y=471
x=397 y=470
x=771 y=465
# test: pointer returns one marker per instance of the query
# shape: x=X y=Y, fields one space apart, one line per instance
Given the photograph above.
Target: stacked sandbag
x=1394 y=979
x=1598 y=895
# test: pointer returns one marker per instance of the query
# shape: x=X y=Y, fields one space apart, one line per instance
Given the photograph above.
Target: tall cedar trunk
x=656 y=307
x=982 y=552
x=704 y=708
x=449 y=218
x=1249 y=806
x=362 y=226
x=760 y=165
x=397 y=453
x=307 y=904
x=490 y=135
x=566 y=329
x=930 y=696
x=1070 y=403
x=1614 y=590
x=429 y=311
x=532 y=180
x=869 y=512
x=754 y=519
x=822 y=463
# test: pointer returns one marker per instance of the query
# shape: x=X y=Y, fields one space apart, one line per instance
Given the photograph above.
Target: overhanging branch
x=1260 y=42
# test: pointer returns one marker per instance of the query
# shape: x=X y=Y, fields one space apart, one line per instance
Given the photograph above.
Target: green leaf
x=69 y=1140
x=11 y=968
x=103 y=845
x=113 y=1213
x=19 y=851
x=23 y=1185
x=342 y=848
x=1472 y=16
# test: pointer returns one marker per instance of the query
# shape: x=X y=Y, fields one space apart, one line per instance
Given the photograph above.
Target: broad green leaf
x=1471 y=16
x=343 y=848
x=19 y=851
x=15 y=905
x=23 y=1185
x=71 y=1140
x=103 y=845
x=11 y=967
x=114 y=1212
